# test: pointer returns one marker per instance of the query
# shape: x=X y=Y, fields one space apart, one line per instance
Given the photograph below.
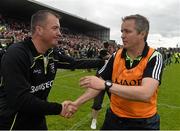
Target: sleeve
x=15 y=66
x=63 y=61
x=88 y=63
x=106 y=71
x=67 y=62
x=154 y=67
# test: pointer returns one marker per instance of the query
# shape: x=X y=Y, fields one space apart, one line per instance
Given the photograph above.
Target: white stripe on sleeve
x=158 y=67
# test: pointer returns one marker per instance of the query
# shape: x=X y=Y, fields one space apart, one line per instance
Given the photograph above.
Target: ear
x=39 y=30
x=142 y=34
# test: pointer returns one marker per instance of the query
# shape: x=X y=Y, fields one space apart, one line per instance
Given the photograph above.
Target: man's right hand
x=68 y=109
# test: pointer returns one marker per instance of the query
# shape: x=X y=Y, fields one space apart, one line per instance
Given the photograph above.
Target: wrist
x=77 y=103
x=108 y=84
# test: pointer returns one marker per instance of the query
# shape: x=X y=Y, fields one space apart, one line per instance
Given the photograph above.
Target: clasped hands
x=93 y=84
x=68 y=108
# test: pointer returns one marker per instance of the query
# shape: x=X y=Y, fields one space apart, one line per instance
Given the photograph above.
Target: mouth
x=57 y=39
x=124 y=42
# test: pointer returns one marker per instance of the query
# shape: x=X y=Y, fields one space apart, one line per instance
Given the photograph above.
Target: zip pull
x=45 y=59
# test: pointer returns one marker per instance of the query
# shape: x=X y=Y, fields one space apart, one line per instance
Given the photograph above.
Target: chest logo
x=37 y=71
x=52 y=68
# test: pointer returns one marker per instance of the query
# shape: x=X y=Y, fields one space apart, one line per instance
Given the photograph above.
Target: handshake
x=68 y=108
x=93 y=87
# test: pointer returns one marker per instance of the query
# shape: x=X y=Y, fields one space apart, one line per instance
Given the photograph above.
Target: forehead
x=128 y=24
x=110 y=46
x=51 y=19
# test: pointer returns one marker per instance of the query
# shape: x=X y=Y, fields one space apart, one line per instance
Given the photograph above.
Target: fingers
x=72 y=108
x=92 y=82
x=85 y=82
x=85 y=78
x=68 y=109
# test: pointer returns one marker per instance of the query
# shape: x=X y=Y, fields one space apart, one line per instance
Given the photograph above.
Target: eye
x=55 y=27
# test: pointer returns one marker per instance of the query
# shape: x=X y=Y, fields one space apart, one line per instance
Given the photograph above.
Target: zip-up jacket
x=27 y=80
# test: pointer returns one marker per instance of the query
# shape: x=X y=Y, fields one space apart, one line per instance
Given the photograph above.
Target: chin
x=125 y=46
x=54 y=44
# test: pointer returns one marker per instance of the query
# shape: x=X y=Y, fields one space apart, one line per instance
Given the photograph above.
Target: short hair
x=39 y=18
x=109 y=42
x=142 y=23
x=112 y=43
x=106 y=44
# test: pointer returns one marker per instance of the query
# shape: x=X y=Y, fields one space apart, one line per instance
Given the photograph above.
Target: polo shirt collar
x=144 y=53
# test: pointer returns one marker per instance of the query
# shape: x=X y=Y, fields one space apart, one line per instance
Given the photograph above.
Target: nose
x=59 y=33
x=122 y=35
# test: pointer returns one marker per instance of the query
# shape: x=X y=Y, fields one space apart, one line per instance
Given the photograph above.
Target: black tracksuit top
x=27 y=80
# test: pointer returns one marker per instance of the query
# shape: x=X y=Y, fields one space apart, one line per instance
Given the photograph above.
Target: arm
x=136 y=93
x=86 y=96
x=150 y=82
x=90 y=92
x=67 y=62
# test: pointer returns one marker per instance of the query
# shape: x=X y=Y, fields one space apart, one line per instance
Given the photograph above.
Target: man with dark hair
x=28 y=72
x=134 y=75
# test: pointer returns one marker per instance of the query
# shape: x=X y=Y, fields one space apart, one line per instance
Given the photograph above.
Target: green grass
x=169 y=98
x=66 y=87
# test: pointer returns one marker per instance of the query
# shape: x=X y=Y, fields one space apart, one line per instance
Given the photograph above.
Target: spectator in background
x=177 y=56
x=112 y=47
x=98 y=100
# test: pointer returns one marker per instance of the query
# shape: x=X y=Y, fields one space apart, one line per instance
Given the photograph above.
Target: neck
x=136 y=51
x=39 y=45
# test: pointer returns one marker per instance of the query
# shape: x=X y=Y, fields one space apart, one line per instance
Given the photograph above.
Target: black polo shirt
x=153 y=69
x=132 y=63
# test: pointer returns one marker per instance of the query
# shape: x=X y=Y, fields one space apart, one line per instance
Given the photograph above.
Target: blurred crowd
x=71 y=43
x=170 y=55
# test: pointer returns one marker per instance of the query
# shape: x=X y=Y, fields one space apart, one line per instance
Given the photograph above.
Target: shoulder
x=156 y=55
x=17 y=51
x=20 y=47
